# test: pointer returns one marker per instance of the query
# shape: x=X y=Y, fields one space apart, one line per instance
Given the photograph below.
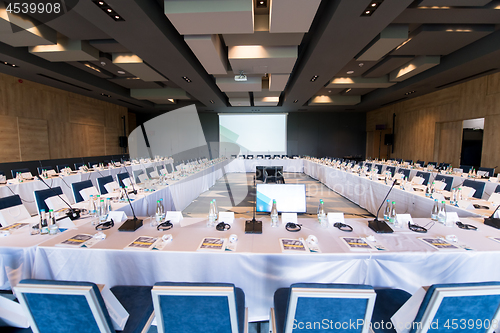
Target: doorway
x=472 y=142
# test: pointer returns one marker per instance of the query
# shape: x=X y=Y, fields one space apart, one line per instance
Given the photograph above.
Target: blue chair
x=59 y=167
x=442 y=303
x=368 y=165
x=2 y=173
x=40 y=169
x=312 y=302
x=103 y=181
x=260 y=156
x=433 y=164
x=17 y=212
x=478 y=186
x=465 y=168
x=447 y=179
x=234 y=156
x=92 y=163
x=276 y=156
x=149 y=170
x=497 y=189
x=409 y=161
x=65 y=306
x=218 y=306
x=159 y=168
x=169 y=167
x=77 y=187
x=15 y=171
x=379 y=168
x=425 y=176
x=422 y=163
x=284 y=156
x=42 y=195
x=267 y=156
x=120 y=177
x=405 y=172
x=10 y=201
x=491 y=171
x=78 y=165
x=136 y=174
x=391 y=169
x=399 y=160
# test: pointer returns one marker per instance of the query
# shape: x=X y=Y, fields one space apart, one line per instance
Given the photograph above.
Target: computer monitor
x=290 y=198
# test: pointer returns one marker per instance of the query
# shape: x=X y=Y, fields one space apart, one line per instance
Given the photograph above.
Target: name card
x=452 y=217
x=117 y=216
x=495 y=198
x=174 y=217
x=403 y=219
x=227 y=217
x=289 y=217
x=464 y=204
x=335 y=217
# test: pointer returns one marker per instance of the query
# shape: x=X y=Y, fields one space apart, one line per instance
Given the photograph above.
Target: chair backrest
x=465 y=168
x=267 y=156
x=422 y=163
x=491 y=171
x=337 y=302
x=64 y=306
x=478 y=186
x=250 y=157
x=103 y=181
x=261 y=156
x=391 y=169
x=169 y=167
x=15 y=171
x=234 y=156
x=78 y=165
x=270 y=171
x=77 y=187
x=42 y=195
x=149 y=170
x=12 y=210
x=120 y=177
x=369 y=165
x=405 y=172
x=409 y=161
x=40 y=169
x=447 y=179
x=424 y=175
x=378 y=167
x=259 y=172
x=159 y=168
x=10 y=201
x=218 y=307
x=497 y=189
x=276 y=156
x=136 y=174
x=399 y=160
x=444 y=302
x=284 y=156
x=432 y=163
x=59 y=167
x=92 y=163
x=2 y=173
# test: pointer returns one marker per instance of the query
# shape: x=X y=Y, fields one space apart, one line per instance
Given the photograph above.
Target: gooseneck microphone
x=130 y=224
x=253 y=226
x=74 y=213
x=491 y=221
x=380 y=226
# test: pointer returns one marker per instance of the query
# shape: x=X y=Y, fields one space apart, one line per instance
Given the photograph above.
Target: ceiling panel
x=360 y=82
x=335 y=100
x=277 y=82
x=240 y=101
x=210 y=52
x=135 y=65
x=260 y=59
x=228 y=84
x=292 y=15
x=92 y=69
x=135 y=83
x=159 y=96
x=66 y=50
x=106 y=62
x=108 y=46
x=210 y=16
x=266 y=101
x=442 y=39
x=386 y=41
x=387 y=65
x=22 y=30
x=357 y=67
x=450 y=16
x=263 y=38
x=65 y=24
x=414 y=67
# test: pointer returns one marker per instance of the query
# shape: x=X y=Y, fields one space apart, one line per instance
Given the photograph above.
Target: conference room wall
x=320 y=134
x=41 y=122
x=429 y=127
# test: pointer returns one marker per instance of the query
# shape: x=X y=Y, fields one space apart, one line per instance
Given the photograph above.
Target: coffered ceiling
x=154 y=56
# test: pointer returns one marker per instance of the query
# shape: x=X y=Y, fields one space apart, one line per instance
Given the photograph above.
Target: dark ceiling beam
x=148 y=33
x=338 y=37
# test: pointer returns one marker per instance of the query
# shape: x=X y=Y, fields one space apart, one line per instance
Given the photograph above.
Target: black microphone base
x=492 y=222
x=74 y=215
x=131 y=225
x=253 y=226
x=380 y=227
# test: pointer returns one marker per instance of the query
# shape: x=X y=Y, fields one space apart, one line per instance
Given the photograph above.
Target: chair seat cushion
x=138 y=303
x=387 y=303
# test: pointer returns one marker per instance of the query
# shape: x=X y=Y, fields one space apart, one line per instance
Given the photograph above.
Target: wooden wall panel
x=33 y=139
x=9 y=139
x=418 y=134
x=132 y=122
x=54 y=123
x=450 y=142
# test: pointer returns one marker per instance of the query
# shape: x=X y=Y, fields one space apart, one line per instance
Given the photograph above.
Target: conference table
x=259 y=266
x=369 y=194
x=249 y=165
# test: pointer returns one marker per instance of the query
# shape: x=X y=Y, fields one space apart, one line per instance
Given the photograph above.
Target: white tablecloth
x=369 y=194
x=259 y=267
x=243 y=165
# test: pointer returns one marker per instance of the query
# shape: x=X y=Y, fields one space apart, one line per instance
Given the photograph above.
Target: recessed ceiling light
x=350 y=72
x=329 y=91
x=371 y=8
x=101 y=3
x=9 y=64
x=171 y=100
x=106 y=95
x=261 y=4
x=314 y=78
x=348 y=90
x=367 y=12
x=121 y=72
x=92 y=67
x=109 y=10
x=296 y=101
x=212 y=101
x=188 y=80
x=361 y=64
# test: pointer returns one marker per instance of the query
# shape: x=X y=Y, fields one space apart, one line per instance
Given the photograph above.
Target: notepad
x=293 y=245
x=212 y=244
x=76 y=240
x=356 y=243
x=439 y=243
x=142 y=243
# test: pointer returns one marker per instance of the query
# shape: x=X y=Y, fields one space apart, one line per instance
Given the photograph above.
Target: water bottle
x=216 y=210
x=91 y=206
x=392 y=214
x=387 y=211
x=433 y=189
x=158 y=215
x=211 y=215
x=453 y=196
x=53 y=225
x=274 y=215
x=163 y=214
x=442 y=215
x=427 y=191
x=103 y=212
x=108 y=205
x=435 y=211
x=44 y=227
x=322 y=215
